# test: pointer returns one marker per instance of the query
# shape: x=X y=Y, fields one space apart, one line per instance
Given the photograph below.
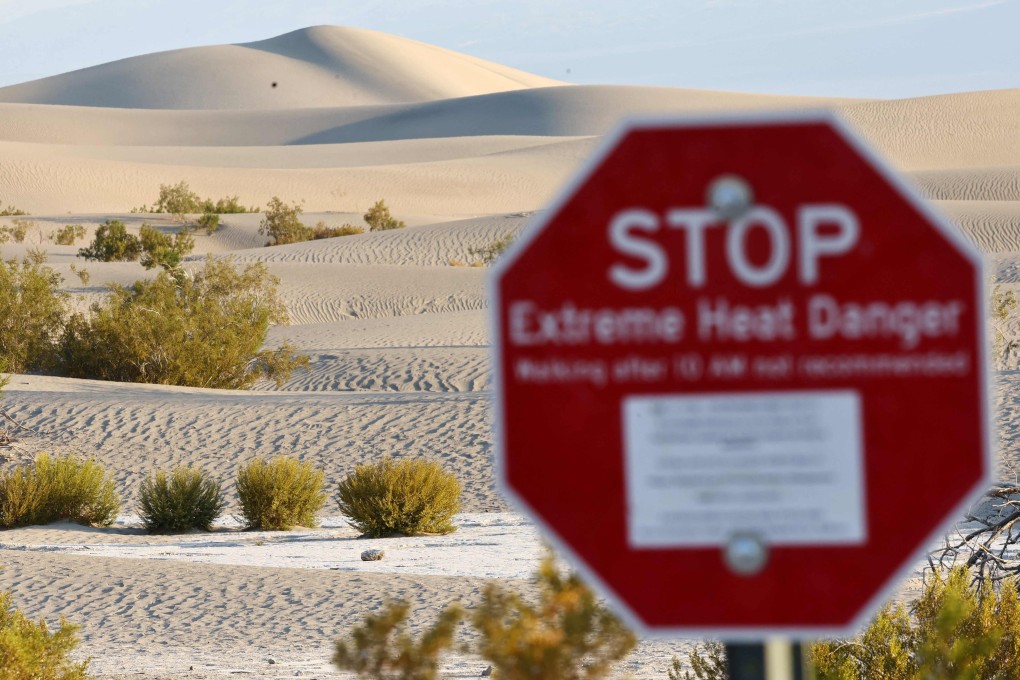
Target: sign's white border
x=909 y=194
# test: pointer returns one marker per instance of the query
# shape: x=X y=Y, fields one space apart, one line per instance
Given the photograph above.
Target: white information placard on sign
x=784 y=466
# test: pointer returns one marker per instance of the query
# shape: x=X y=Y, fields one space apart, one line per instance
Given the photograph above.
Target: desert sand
x=463 y=150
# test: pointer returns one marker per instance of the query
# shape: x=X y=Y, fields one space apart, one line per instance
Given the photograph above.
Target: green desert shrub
x=36 y=256
x=22 y=495
x=204 y=330
x=380 y=647
x=567 y=634
x=228 y=205
x=483 y=256
x=177 y=200
x=77 y=490
x=164 y=250
x=280 y=494
x=112 y=243
x=378 y=218
x=209 y=222
x=11 y=211
x=68 y=234
x=321 y=231
x=82 y=274
x=53 y=489
x=183 y=500
x=491 y=252
x=282 y=223
x=32 y=314
x=18 y=230
x=707 y=660
x=29 y=651
x=564 y=633
x=955 y=630
x=1005 y=343
x=407 y=497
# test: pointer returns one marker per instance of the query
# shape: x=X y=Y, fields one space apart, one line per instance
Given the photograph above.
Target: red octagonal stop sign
x=741 y=375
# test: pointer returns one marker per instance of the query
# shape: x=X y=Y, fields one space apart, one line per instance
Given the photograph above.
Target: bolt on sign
x=725 y=357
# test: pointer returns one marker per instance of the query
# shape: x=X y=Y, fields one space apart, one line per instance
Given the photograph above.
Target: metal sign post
x=776 y=659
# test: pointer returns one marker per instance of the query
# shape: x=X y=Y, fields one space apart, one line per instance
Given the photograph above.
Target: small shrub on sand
x=36 y=256
x=163 y=250
x=183 y=500
x=68 y=234
x=483 y=256
x=21 y=497
x=29 y=651
x=209 y=222
x=178 y=200
x=378 y=218
x=112 y=243
x=17 y=231
x=377 y=648
x=321 y=231
x=202 y=330
x=53 y=489
x=229 y=205
x=280 y=494
x=82 y=274
x=407 y=497
x=283 y=224
x=491 y=252
x=707 y=660
x=77 y=490
x=566 y=635
x=1005 y=343
x=11 y=211
x=32 y=313
x=955 y=630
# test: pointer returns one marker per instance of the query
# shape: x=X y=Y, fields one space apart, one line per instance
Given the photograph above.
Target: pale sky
x=851 y=48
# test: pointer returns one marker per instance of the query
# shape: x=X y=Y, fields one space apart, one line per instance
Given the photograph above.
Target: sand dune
x=971 y=184
x=31 y=174
x=521 y=180
x=977 y=127
x=994 y=226
x=548 y=111
x=559 y=111
x=318 y=66
x=495 y=153
x=966 y=130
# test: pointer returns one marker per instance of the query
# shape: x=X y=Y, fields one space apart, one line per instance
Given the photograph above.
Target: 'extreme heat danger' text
x=716 y=320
